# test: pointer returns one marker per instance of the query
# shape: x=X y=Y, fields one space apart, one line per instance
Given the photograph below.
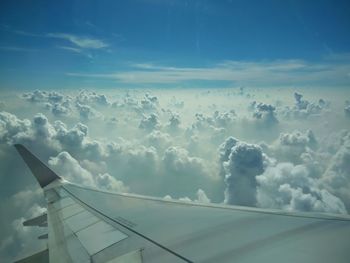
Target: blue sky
x=163 y=43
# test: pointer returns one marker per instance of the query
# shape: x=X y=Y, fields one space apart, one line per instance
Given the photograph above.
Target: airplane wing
x=90 y=225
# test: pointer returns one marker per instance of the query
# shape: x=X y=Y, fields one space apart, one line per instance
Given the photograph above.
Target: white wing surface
x=89 y=225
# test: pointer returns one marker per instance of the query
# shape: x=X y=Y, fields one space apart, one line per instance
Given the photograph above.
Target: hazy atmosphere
x=231 y=102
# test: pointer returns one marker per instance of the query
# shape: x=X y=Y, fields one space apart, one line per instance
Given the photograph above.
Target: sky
x=229 y=102
x=153 y=43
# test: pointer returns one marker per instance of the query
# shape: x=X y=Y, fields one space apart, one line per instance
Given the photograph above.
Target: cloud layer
x=256 y=74
x=235 y=146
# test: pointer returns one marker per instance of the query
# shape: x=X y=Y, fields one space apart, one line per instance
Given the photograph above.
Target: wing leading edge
x=89 y=225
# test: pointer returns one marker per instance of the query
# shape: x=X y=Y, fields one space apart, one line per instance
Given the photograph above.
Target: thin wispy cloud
x=72 y=49
x=78 y=51
x=338 y=56
x=17 y=49
x=78 y=43
x=81 y=42
x=24 y=33
x=272 y=73
x=18 y=32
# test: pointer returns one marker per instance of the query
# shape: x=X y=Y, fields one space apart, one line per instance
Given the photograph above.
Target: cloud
x=108 y=182
x=149 y=103
x=303 y=108
x=90 y=97
x=86 y=112
x=15 y=238
x=291 y=146
x=298 y=139
x=265 y=114
x=159 y=140
x=80 y=41
x=289 y=187
x=47 y=137
x=146 y=105
x=135 y=164
x=253 y=179
x=202 y=122
x=128 y=102
x=70 y=169
x=263 y=73
x=224 y=119
x=56 y=102
x=43 y=131
x=58 y=109
x=347 y=111
x=83 y=104
x=73 y=137
x=174 y=123
x=18 y=49
x=72 y=49
x=76 y=50
x=65 y=165
x=209 y=147
x=178 y=104
x=216 y=122
x=244 y=163
x=336 y=178
x=150 y=123
x=18 y=32
x=43 y=96
x=177 y=160
x=13 y=129
x=225 y=148
x=183 y=173
x=201 y=197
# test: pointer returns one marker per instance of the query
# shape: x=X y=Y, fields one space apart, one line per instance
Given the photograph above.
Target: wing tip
x=18 y=145
x=43 y=174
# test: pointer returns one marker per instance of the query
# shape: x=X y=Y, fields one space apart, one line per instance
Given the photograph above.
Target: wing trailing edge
x=39 y=257
x=43 y=174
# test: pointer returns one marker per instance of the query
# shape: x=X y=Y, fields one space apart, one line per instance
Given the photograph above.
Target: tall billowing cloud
x=245 y=161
